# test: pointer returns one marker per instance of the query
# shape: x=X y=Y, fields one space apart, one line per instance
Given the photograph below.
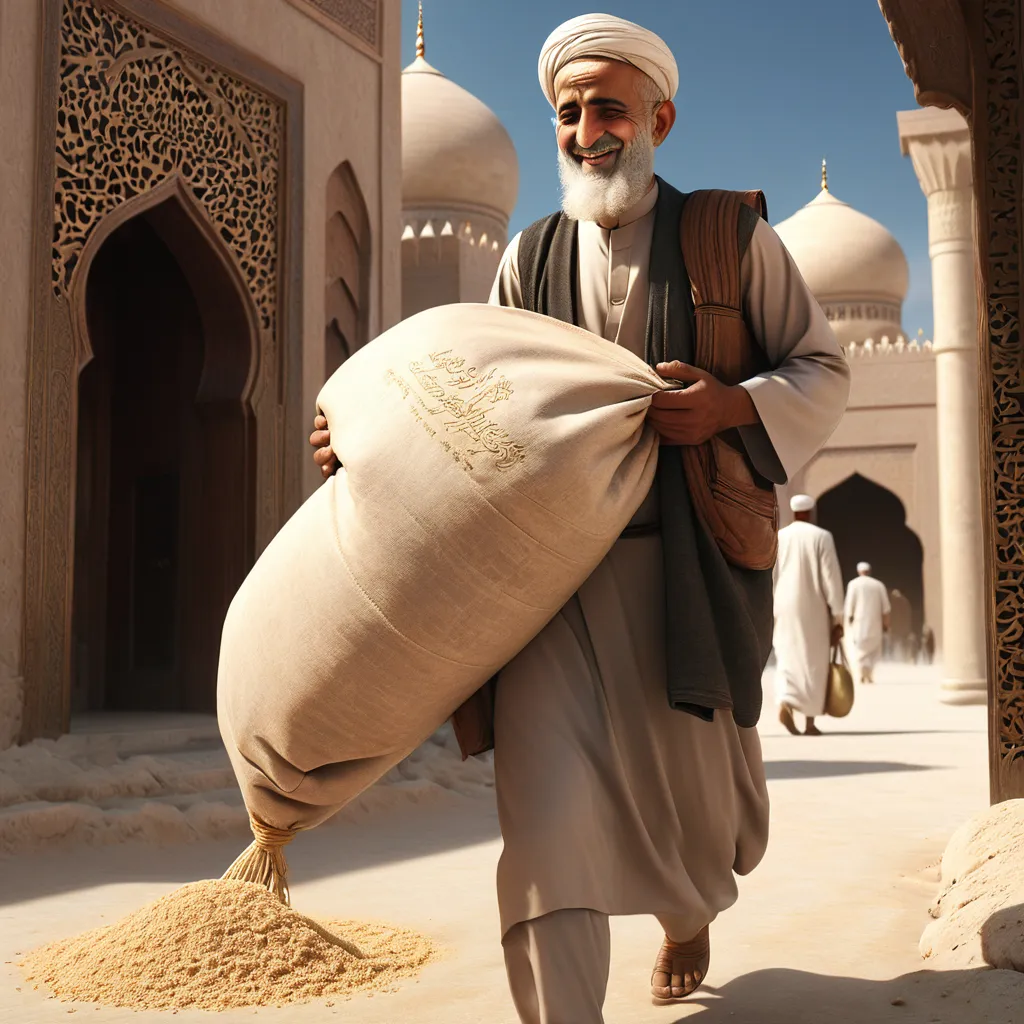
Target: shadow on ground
x=780 y=996
x=337 y=847
x=832 y=769
x=1002 y=938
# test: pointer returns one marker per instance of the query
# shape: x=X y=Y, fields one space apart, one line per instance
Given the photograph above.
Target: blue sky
x=767 y=88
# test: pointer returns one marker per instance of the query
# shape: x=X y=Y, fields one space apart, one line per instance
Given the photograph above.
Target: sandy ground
x=826 y=929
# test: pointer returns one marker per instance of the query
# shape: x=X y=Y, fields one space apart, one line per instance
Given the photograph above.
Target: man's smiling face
x=600 y=109
x=610 y=118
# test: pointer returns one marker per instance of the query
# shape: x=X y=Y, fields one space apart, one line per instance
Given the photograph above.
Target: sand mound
x=980 y=906
x=218 y=945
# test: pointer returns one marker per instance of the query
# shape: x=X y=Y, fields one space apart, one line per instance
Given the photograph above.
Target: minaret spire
x=824 y=176
x=420 y=47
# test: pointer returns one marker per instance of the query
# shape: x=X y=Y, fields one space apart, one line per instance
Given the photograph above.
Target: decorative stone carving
x=950 y=219
x=361 y=18
x=888 y=311
x=999 y=191
x=132 y=110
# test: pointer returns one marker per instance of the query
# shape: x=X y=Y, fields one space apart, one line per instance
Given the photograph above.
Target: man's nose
x=589 y=130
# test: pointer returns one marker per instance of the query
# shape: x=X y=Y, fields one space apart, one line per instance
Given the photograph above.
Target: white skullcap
x=801 y=503
x=863 y=567
x=604 y=35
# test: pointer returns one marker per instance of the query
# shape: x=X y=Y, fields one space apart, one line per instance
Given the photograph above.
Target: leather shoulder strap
x=715 y=230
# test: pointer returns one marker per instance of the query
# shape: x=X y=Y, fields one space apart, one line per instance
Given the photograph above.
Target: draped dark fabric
x=718 y=621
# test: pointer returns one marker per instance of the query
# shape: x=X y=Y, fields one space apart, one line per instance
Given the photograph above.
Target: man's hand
x=324 y=455
x=695 y=414
x=837 y=634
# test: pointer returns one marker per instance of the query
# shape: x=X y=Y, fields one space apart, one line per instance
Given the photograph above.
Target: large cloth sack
x=491 y=458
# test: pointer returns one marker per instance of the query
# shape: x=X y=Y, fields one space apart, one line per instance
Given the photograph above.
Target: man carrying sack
x=628 y=770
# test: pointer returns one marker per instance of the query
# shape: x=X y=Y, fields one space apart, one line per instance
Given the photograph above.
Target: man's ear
x=664 y=118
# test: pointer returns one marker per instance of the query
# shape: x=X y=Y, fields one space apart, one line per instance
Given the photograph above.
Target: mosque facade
x=876 y=480
x=195 y=232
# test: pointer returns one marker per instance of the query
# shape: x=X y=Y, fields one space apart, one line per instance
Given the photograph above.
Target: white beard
x=593 y=193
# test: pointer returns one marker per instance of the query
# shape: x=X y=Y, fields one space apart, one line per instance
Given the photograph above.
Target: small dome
x=456 y=154
x=852 y=264
x=844 y=254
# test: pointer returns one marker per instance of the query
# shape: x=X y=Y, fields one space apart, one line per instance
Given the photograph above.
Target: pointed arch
x=209 y=266
x=346 y=268
x=869 y=524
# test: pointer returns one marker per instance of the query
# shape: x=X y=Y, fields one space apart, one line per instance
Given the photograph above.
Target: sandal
x=683 y=966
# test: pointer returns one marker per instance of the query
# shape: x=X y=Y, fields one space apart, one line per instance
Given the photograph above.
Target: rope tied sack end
x=263 y=861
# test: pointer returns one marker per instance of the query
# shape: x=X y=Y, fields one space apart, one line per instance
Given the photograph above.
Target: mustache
x=605 y=144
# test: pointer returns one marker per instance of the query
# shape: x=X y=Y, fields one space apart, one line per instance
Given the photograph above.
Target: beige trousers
x=557 y=965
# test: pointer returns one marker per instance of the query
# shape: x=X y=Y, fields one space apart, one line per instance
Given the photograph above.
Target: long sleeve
x=506 y=290
x=801 y=400
x=851 y=602
x=832 y=577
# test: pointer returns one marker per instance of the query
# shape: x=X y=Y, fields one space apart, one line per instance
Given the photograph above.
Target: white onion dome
x=456 y=154
x=854 y=267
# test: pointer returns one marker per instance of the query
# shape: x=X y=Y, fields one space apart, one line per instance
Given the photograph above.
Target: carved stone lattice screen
x=134 y=109
x=359 y=21
x=997 y=128
x=137 y=105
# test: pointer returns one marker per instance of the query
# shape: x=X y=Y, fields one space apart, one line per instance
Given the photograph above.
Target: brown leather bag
x=740 y=510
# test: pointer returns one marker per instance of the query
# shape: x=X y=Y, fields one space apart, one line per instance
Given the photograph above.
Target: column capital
x=938 y=143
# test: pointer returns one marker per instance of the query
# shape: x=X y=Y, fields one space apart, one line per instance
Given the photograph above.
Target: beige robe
x=607 y=798
x=808 y=594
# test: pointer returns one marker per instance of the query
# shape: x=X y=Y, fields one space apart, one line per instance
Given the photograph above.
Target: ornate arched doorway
x=166 y=454
x=144 y=113
x=869 y=524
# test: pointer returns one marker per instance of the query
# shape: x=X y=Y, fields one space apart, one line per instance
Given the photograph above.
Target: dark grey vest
x=718 y=626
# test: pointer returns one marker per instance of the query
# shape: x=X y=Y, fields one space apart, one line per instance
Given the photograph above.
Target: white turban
x=801 y=503
x=604 y=35
x=863 y=567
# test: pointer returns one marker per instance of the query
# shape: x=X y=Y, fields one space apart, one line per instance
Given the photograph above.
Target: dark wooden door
x=140 y=441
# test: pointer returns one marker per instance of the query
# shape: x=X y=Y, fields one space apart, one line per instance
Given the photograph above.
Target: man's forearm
x=740 y=410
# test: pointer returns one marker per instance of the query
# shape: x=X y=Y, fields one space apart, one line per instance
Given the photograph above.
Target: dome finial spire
x=420 y=47
x=824 y=176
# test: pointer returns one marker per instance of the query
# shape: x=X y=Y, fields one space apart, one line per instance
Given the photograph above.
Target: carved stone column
x=938 y=144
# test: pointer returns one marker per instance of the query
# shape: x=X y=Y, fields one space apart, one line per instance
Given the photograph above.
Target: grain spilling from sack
x=491 y=459
x=218 y=945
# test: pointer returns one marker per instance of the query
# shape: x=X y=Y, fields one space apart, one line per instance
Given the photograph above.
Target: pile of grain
x=219 y=945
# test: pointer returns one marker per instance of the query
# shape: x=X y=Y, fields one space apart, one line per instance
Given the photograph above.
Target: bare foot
x=786 y=718
x=811 y=729
x=680 y=968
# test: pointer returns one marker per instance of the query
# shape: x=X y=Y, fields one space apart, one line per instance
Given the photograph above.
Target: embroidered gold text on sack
x=464 y=397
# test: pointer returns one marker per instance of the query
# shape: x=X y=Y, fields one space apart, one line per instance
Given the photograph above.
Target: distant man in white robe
x=867 y=615
x=610 y=801
x=808 y=588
